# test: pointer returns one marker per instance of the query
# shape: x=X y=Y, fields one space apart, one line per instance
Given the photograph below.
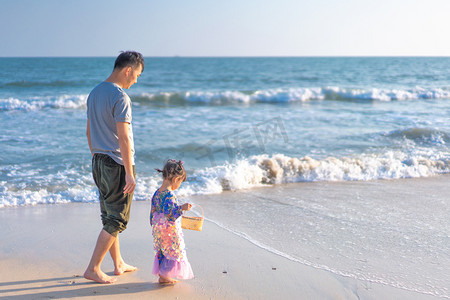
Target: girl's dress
x=170 y=259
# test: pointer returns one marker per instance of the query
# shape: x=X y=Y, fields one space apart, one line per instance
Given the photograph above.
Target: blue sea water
x=236 y=122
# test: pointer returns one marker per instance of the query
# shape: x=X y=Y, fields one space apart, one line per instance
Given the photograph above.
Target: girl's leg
x=166 y=280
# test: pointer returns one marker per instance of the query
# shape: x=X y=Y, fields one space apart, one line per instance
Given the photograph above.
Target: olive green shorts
x=109 y=176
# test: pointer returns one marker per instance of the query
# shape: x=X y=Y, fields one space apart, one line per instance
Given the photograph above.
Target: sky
x=225 y=28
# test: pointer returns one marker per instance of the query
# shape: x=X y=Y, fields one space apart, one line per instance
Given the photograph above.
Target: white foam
x=37 y=103
x=288 y=95
x=11 y=196
x=216 y=97
x=259 y=170
x=32 y=187
x=387 y=94
x=283 y=95
x=276 y=169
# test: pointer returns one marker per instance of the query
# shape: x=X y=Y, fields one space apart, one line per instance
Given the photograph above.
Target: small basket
x=192 y=223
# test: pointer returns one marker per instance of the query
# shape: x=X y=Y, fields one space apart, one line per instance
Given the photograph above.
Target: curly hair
x=173 y=169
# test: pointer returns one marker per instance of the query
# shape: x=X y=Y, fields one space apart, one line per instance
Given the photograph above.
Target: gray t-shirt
x=108 y=104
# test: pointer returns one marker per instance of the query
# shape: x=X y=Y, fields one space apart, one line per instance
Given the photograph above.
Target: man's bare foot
x=119 y=270
x=99 y=277
x=166 y=280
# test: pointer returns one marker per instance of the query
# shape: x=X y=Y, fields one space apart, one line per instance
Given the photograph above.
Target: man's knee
x=114 y=227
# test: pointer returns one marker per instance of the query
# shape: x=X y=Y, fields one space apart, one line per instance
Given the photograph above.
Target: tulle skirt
x=172 y=268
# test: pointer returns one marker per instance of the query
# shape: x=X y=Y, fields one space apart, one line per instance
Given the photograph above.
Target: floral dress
x=170 y=259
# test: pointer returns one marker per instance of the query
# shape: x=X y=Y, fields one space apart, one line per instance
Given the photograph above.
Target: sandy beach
x=46 y=248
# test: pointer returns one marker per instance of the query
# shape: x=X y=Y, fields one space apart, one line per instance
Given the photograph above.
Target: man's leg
x=93 y=271
x=104 y=240
x=115 y=207
x=120 y=266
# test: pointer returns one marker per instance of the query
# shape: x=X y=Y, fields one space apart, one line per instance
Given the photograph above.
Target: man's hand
x=130 y=184
x=125 y=152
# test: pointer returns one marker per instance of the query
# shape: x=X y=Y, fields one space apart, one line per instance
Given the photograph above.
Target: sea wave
x=274 y=96
x=76 y=185
x=421 y=135
x=48 y=102
x=41 y=83
x=262 y=170
x=255 y=171
x=291 y=95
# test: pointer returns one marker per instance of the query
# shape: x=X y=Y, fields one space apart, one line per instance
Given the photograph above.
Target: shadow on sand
x=70 y=287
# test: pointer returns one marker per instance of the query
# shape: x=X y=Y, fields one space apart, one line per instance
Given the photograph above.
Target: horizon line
x=239 y=56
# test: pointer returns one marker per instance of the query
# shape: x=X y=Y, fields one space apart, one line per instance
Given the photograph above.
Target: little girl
x=170 y=260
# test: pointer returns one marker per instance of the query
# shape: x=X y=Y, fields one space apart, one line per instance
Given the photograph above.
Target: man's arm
x=88 y=134
x=125 y=151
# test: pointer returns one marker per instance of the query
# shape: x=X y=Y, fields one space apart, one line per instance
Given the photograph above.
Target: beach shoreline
x=46 y=248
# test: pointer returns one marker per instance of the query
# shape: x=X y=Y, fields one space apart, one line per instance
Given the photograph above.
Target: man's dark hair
x=129 y=58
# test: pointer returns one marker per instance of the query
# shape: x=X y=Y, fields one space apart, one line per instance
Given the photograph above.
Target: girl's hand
x=186 y=206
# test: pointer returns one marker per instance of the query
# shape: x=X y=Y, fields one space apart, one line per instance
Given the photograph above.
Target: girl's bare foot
x=166 y=280
x=99 y=277
x=119 y=270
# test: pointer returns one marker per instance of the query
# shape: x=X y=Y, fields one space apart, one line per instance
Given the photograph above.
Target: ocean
x=246 y=125
x=236 y=122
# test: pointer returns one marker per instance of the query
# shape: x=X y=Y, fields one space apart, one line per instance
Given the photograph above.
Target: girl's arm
x=172 y=210
x=151 y=214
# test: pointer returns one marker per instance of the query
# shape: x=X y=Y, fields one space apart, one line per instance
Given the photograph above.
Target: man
x=110 y=139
